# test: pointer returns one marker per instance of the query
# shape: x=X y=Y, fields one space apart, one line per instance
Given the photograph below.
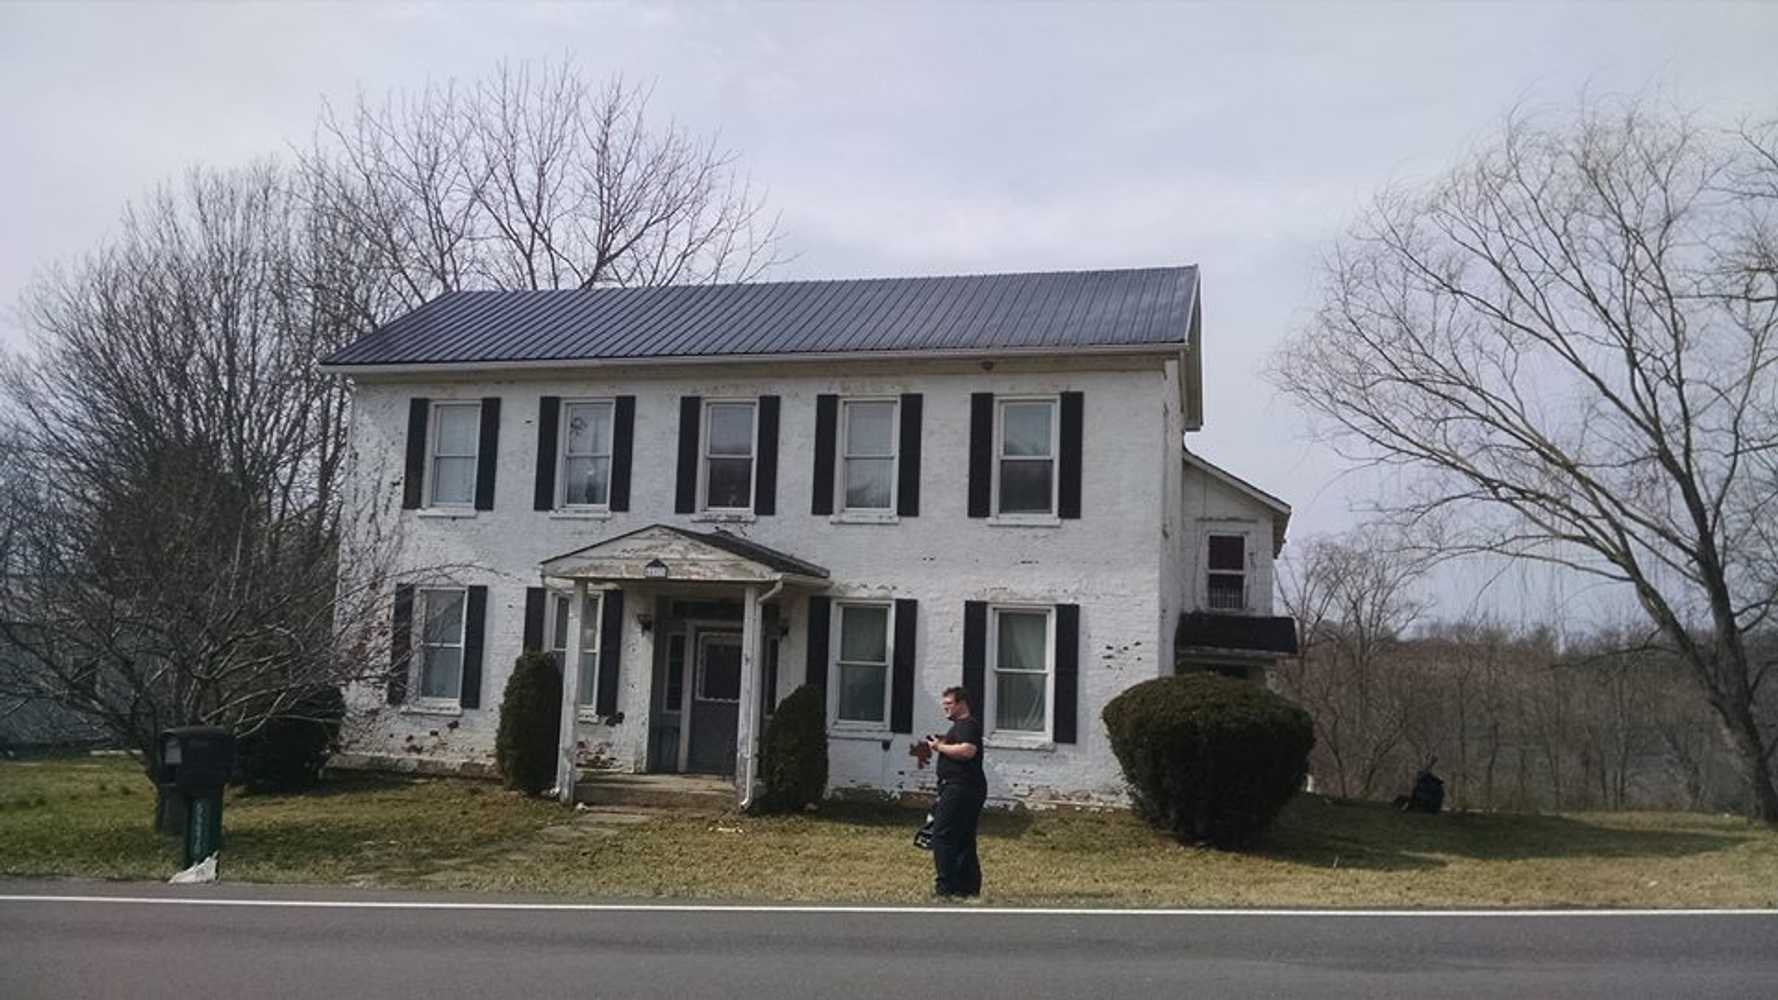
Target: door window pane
x=719 y=673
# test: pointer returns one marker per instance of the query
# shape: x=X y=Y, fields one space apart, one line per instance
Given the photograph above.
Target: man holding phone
x=962 y=790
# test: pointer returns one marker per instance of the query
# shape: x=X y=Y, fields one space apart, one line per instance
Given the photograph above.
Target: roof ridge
x=1150 y=269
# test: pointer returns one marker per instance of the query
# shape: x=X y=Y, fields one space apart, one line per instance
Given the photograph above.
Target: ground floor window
x=442 y=618
x=587 y=675
x=862 y=663
x=1020 y=693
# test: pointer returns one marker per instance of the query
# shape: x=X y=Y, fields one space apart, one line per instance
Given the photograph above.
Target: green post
x=203 y=826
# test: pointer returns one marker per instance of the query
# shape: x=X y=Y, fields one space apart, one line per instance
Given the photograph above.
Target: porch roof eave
x=594 y=575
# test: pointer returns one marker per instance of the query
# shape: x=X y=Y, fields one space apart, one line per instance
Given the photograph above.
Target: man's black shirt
x=964 y=772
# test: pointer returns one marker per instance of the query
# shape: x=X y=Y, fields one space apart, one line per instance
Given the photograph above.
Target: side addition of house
x=700 y=498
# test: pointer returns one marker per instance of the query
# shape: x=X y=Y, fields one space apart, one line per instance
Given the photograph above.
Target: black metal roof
x=1248 y=633
x=1067 y=309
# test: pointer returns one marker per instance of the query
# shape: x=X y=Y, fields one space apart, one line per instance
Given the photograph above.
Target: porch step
x=660 y=791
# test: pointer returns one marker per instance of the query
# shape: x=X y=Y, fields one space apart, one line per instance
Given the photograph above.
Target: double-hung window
x=862 y=663
x=1226 y=579
x=442 y=618
x=1025 y=457
x=729 y=448
x=586 y=454
x=456 y=432
x=1021 y=691
x=587 y=675
x=867 y=455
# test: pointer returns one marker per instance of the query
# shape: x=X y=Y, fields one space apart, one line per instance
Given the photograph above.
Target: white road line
x=351 y=904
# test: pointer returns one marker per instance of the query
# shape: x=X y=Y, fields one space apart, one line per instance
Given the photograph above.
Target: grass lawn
x=89 y=817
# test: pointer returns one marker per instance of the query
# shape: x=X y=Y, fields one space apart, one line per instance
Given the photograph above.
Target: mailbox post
x=196 y=762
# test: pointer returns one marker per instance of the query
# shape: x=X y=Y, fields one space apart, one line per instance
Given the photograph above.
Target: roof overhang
x=1279 y=525
x=663 y=554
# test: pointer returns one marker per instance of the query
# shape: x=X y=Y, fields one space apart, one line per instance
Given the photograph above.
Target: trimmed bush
x=793 y=760
x=1209 y=759
x=530 y=719
x=289 y=751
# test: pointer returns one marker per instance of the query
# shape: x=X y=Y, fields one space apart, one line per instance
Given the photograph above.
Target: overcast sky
x=912 y=139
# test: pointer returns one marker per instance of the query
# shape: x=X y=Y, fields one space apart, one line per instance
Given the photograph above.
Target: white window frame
x=845 y=446
x=1054 y=458
x=835 y=644
x=1246 y=571
x=417 y=678
x=433 y=437
x=991 y=682
x=704 y=457
x=562 y=455
x=555 y=608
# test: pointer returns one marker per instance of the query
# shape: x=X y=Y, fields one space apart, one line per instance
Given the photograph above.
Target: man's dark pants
x=954 y=819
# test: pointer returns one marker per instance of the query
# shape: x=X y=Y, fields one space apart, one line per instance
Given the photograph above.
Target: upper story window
x=867 y=454
x=1226 y=579
x=586 y=454
x=1019 y=693
x=455 y=435
x=1025 y=457
x=730 y=430
x=587 y=674
x=862 y=662
x=442 y=619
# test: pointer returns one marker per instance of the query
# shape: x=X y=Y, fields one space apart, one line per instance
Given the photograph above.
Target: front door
x=715 y=702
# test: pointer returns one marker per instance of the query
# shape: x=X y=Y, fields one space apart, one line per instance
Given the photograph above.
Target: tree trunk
x=1743 y=733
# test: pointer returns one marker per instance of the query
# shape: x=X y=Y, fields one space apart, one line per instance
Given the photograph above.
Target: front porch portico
x=660 y=561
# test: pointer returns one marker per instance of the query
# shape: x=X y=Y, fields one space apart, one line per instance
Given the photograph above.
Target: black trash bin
x=195 y=764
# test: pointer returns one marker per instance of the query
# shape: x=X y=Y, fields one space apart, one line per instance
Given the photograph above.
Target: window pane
x=731 y=428
x=458 y=427
x=1018 y=701
x=861 y=693
x=453 y=480
x=1227 y=592
x=1226 y=552
x=559 y=634
x=1025 y=428
x=1022 y=642
x=444 y=617
x=675 y=672
x=729 y=483
x=589 y=429
x=587 y=480
x=1024 y=486
x=870 y=429
x=867 y=482
x=720 y=674
x=864 y=634
x=589 y=666
x=589 y=622
x=441 y=672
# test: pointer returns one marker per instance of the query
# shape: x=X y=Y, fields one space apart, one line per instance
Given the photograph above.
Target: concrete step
x=659 y=791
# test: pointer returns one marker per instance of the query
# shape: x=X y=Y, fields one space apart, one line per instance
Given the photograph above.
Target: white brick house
x=705 y=497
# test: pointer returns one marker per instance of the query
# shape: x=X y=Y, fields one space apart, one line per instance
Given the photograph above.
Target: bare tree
x=1571 y=337
x=534 y=179
x=173 y=549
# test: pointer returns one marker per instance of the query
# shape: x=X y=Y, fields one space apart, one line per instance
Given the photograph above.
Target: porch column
x=570 y=690
x=747 y=718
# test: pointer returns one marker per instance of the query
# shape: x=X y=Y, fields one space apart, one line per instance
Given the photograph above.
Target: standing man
x=962 y=789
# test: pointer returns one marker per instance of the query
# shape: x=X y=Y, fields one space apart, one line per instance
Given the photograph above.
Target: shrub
x=289 y=751
x=1209 y=759
x=530 y=719
x=793 y=760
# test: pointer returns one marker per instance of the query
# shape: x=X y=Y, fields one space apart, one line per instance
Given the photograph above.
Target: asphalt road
x=333 y=944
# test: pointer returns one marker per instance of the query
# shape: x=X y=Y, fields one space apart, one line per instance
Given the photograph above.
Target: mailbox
x=195 y=764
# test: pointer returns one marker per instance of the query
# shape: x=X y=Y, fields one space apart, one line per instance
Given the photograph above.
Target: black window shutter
x=691 y=415
x=1067 y=671
x=611 y=634
x=975 y=653
x=819 y=610
x=907 y=488
x=765 y=487
x=827 y=419
x=487 y=453
x=1068 y=487
x=419 y=414
x=474 y=635
x=401 y=637
x=549 y=422
x=901 y=682
x=534 y=605
x=623 y=440
x=981 y=452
